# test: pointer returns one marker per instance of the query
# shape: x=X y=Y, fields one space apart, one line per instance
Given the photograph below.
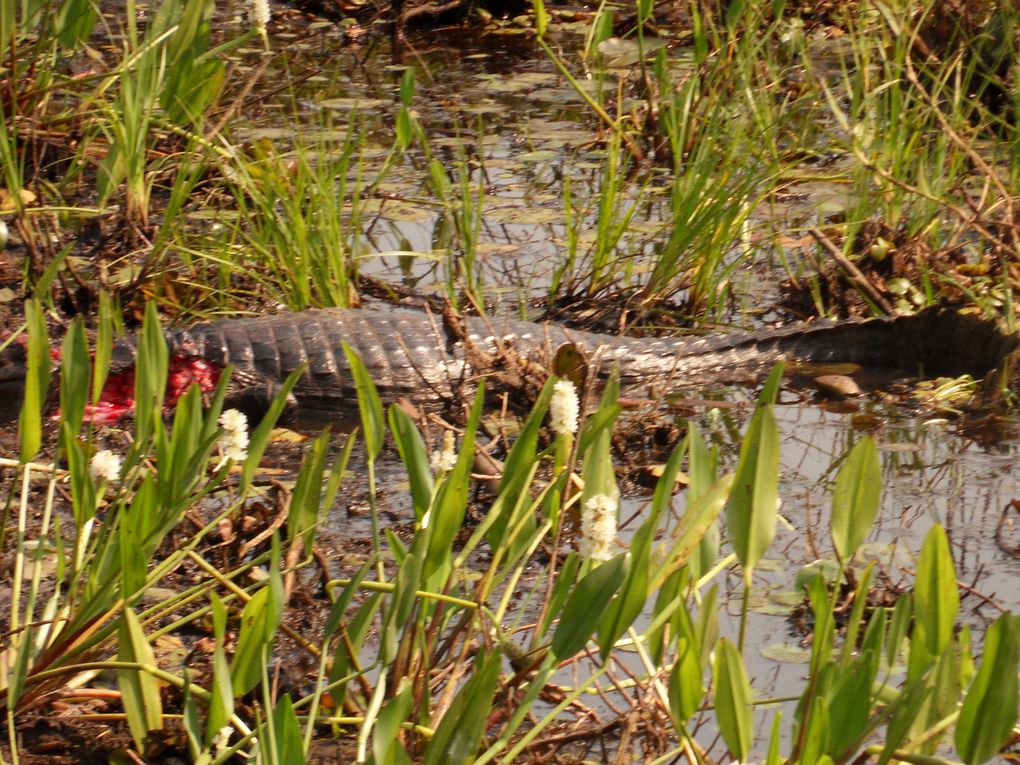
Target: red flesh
x=118 y=397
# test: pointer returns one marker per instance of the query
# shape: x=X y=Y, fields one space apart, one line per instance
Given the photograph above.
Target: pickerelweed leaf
x=989 y=710
x=753 y=504
x=139 y=690
x=585 y=606
x=733 y=700
x=856 y=497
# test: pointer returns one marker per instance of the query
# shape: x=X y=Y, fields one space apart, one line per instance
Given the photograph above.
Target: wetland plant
x=464 y=644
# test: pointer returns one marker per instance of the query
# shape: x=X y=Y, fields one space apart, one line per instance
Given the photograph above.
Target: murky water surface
x=498 y=112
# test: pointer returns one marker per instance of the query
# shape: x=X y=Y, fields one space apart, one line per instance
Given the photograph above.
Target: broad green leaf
x=563 y=587
x=338 y=610
x=850 y=702
x=260 y=618
x=752 y=509
x=385 y=745
x=853 y=625
x=823 y=633
x=770 y=389
x=936 y=602
x=686 y=686
x=989 y=710
x=260 y=436
x=345 y=659
x=221 y=702
x=451 y=500
x=150 y=374
x=671 y=595
x=905 y=709
x=369 y=404
x=460 y=731
x=408 y=581
x=695 y=523
x=75 y=370
x=702 y=474
x=306 y=499
x=733 y=700
x=815 y=738
x=415 y=457
x=37 y=380
x=630 y=600
x=585 y=606
x=103 y=348
x=899 y=624
x=856 y=497
x=287 y=739
x=407 y=86
x=942 y=700
x=601 y=421
x=517 y=472
x=775 y=735
x=139 y=690
x=134 y=528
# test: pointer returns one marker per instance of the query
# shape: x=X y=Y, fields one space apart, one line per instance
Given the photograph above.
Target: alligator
x=417 y=356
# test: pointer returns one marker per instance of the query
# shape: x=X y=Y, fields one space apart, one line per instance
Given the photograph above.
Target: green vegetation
x=480 y=642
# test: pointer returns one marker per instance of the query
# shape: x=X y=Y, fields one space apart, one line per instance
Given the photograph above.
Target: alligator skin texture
x=410 y=354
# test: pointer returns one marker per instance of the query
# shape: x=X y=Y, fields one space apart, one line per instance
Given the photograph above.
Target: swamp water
x=512 y=138
x=522 y=133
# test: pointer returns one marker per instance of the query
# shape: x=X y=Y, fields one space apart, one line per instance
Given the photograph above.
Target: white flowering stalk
x=233 y=441
x=261 y=15
x=105 y=466
x=564 y=408
x=443 y=460
x=598 y=527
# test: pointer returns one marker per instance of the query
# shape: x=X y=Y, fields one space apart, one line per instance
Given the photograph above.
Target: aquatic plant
x=456 y=674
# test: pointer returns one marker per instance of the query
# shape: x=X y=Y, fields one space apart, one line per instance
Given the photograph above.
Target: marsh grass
x=454 y=673
x=426 y=652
